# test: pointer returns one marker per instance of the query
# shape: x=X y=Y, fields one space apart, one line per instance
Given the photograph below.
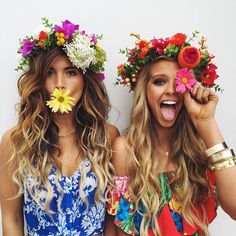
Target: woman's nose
x=171 y=89
x=60 y=81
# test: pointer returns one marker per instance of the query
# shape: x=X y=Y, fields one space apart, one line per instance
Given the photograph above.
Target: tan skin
x=201 y=105
x=61 y=75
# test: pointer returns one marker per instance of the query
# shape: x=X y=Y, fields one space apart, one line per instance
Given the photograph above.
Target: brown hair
x=35 y=138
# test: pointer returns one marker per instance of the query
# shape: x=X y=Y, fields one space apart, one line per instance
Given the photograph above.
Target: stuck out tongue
x=168 y=112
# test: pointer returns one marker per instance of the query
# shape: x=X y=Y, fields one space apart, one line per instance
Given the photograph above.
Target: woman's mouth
x=168 y=109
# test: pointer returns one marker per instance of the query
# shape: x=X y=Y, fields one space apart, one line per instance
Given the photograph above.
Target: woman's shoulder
x=113 y=132
x=120 y=155
x=6 y=136
x=5 y=146
x=120 y=143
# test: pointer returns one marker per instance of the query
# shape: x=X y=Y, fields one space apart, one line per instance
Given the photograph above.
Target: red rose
x=189 y=57
x=42 y=37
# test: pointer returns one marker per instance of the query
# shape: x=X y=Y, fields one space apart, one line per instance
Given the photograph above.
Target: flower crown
x=194 y=62
x=82 y=49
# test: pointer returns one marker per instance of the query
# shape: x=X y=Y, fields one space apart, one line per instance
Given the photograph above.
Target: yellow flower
x=60 y=101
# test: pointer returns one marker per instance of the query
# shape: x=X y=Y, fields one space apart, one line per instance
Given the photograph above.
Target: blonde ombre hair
x=35 y=138
x=143 y=168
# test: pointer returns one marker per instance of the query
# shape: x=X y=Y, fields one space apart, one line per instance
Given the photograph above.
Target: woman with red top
x=172 y=165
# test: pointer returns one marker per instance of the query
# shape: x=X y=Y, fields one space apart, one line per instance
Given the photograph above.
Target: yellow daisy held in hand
x=60 y=101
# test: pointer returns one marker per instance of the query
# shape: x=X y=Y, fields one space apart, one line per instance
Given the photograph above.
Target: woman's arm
x=225 y=178
x=119 y=160
x=201 y=107
x=110 y=229
x=12 y=209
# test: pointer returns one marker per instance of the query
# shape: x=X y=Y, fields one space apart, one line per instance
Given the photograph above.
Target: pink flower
x=160 y=45
x=184 y=80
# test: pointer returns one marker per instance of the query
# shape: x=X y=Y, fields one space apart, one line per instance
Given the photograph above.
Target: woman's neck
x=164 y=154
x=64 y=123
x=164 y=137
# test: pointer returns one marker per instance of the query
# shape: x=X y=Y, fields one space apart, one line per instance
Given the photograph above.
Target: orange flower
x=178 y=39
x=143 y=53
x=142 y=44
x=120 y=68
x=189 y=57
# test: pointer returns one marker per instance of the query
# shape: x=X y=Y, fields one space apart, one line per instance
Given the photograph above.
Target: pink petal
x=181 y=88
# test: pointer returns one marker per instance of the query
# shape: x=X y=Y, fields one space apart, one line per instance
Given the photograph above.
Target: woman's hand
x=201 y=105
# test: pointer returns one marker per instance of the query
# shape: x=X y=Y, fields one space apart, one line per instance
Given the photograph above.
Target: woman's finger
x=198 y=94
x=205 y=95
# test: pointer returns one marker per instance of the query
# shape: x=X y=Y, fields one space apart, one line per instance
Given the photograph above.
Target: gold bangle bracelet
x=216 y=148
x=221 y=156
x=224 y=165
x=221 y=160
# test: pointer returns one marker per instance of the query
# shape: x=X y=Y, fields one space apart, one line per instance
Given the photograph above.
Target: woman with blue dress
x=55 y=162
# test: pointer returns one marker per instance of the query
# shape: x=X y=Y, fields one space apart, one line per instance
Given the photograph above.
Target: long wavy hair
x=144 y=169
x=35 y=138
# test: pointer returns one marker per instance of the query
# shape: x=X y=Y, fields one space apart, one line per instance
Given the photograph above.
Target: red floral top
x=169 y=217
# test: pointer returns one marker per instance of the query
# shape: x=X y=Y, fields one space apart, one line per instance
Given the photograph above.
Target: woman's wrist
x=209 y=131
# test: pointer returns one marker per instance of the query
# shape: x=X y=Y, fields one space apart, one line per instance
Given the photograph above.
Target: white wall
x=215 y=19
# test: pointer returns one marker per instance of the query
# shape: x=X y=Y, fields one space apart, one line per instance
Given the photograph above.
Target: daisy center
x=184 y=80
x=60 y=99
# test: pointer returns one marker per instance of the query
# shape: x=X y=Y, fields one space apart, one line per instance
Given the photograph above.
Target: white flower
x=80 y=52
x=38 y=30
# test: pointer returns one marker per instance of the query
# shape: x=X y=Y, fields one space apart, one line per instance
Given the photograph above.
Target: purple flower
x=67 y=28
x=27 y=47
x=93 y=38
x=101 y=76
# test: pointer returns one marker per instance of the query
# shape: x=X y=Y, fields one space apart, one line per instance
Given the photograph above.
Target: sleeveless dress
x=170 y=219
x=70 y=215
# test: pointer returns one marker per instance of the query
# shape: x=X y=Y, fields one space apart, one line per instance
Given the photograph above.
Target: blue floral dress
x=70 y=215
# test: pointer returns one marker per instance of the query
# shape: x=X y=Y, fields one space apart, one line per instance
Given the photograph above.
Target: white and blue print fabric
x=74 y=217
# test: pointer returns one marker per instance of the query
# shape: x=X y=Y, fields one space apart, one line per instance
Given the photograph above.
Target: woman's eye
x=159 y=82
x=50 y=72
x=71 y=72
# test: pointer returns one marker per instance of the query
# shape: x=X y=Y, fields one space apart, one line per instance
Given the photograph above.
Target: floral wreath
x=196 y=63
x=82 y=49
